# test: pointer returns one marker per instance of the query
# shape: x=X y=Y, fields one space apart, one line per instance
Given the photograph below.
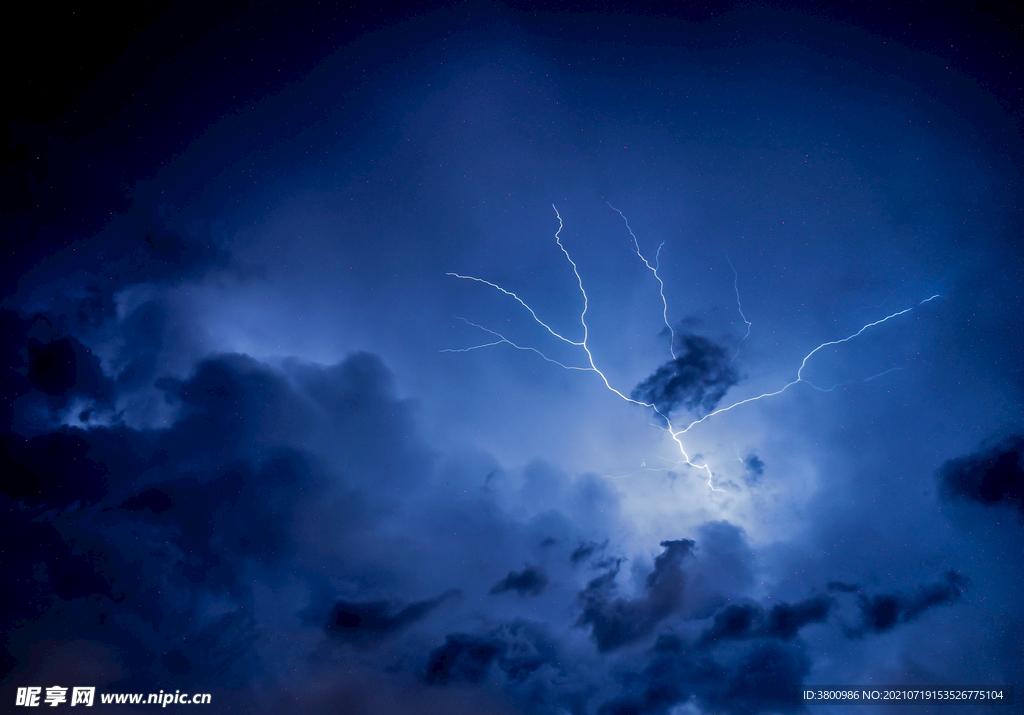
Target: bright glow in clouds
x=591 y=366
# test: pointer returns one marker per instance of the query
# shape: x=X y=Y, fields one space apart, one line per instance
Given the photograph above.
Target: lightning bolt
x=661 y=284
x=591 y=366
x=739 y=306
x=850 y=382
x=803 y=364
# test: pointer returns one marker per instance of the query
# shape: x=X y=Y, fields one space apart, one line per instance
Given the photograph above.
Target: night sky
x=527 y=358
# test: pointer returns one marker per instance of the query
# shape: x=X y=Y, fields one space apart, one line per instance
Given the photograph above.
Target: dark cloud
x=585 y=551
x=13 y=353
x=785 y=619
x=760 y=679
x=696 y=380
x=42 y=568
x=879 y=613
x=781 y=621
x=150 y=244
x=50 y=469
x=994 y=475
x=155 y=500
x=226 y=497
x=755 y=469
x=528 y=582
x=527 y=650
x=944 y=592
x=724 y=568
x=616 y=621
x=59 y=366
x=521 y=656
x=178 y=516
x=883 y=612
x=361 y=622
x=242 y=512
x=462 y=658
x=733 y=621
x=842 y=587
x=45 y=372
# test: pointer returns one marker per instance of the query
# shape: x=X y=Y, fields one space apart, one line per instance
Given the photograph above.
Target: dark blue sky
x=248 y=451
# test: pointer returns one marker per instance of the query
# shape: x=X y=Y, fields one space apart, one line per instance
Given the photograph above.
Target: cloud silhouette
x=528 y=582
x=881 y=613
x=696 y=380
x=615 y=621
x=760 y=679
x=994 y=475
x=361 y=622
x=782 y=621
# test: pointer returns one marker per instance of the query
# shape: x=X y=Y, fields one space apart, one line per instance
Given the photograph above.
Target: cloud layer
x=248 y=447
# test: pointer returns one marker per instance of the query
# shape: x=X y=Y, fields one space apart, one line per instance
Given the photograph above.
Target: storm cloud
x=883 y=612
x=528 y=582
x=761 y=679
x=782 y=621
x=696 y=380
x=992 y=476
x=615 y=621
x=259 y=438
x=155 y=519
x=356 y=622
x=585 y=551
